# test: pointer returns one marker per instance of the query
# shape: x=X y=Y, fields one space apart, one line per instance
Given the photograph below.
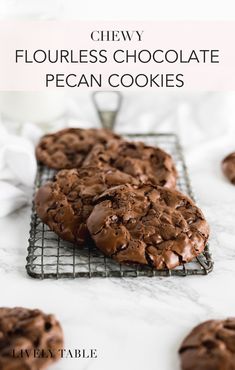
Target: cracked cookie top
x=210 y=346
x=148 y=225
x=66 y=203
x=148 y=164
x=25 y=329
x=68 y=148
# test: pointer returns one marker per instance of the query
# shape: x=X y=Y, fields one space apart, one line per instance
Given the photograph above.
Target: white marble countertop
x=137 y=323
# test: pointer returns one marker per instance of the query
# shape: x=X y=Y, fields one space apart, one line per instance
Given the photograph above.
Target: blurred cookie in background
x=210 y=346
x=228 y=167
x=23 y=329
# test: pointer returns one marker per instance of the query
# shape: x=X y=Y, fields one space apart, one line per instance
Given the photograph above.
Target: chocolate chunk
x=69 y=147
x=65 y=204
x=210 y=346
x=22 y=330
x=228 y=167
x=148 y=225
x=148 y=164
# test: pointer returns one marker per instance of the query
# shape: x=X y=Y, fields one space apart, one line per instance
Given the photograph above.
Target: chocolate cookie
x=210 y=346
x=228 y=166
x=147 y=163
x=65 y=204
x=148 y=225
x=69 y=147
x=33 y=331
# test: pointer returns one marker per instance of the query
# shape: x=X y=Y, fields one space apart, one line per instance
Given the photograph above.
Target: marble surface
x=139 y=323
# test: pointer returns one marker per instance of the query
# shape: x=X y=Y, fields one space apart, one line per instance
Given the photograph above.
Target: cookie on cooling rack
x=228 y=167
x=65 y=204
x=148 y=164
x=68 y=148
x=210 y=346
x=148 y=225
x=23 y=329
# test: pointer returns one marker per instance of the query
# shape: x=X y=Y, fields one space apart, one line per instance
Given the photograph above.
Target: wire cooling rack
x=51 y=257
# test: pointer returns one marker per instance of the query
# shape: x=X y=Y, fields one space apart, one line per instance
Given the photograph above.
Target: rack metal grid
x=51 y=257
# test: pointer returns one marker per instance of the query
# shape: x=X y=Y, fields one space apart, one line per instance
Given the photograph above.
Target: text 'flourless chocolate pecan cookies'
x=25 y=329
x=148 y=225
x=210 y=346
x=148 y=164
x=68 y=148
x=65 y=204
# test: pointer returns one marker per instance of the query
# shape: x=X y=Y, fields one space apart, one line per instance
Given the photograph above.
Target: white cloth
x=17 y=168
x=17 y=162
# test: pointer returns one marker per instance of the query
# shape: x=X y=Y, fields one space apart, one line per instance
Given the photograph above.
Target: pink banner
x=47 y=55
